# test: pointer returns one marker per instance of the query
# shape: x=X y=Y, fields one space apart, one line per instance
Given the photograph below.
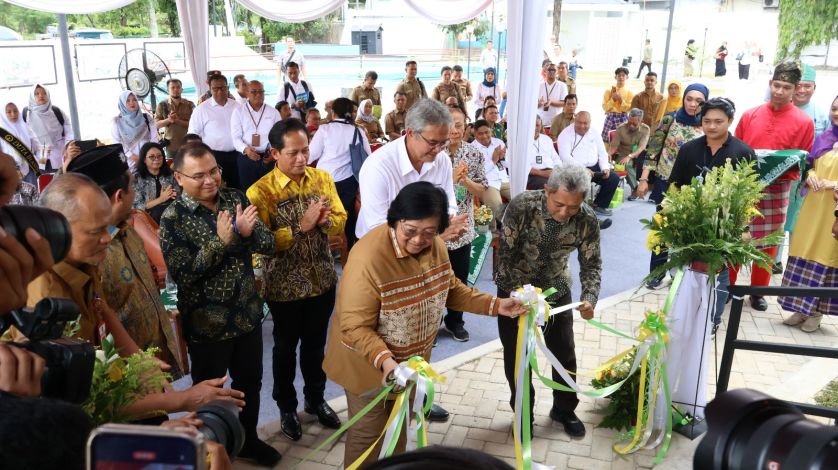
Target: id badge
x=538 y=159
x=255 y=140
x=101 y=331
x=500 y=165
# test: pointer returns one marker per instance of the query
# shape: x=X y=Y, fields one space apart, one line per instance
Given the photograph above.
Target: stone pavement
x=477 y=396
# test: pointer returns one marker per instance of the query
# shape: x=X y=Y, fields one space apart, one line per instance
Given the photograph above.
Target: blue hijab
x=681 y=115
x=486 y=82
x=131 y=124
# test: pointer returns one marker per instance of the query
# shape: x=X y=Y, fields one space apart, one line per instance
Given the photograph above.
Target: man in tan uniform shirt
x=412 y=87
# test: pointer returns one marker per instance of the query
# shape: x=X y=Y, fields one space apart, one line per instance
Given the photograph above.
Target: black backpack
x=289 y=89
x=58 y=115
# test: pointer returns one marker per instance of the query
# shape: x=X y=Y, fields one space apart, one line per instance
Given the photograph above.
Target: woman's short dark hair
x=343 y=108
x=440 y=458
x=142 y=168
x=481 y=123
x=278 y=132
x=418 y=201
x=722 y=104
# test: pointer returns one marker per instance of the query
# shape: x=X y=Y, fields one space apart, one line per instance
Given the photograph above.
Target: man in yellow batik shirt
x=616 y=102
x=300 y=205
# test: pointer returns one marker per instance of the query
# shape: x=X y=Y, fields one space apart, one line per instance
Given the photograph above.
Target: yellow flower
x=753 y=212
x=115 y=372
x=653 y=240
x=658 y=219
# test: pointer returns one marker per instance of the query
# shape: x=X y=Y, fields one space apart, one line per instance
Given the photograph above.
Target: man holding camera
x=208 y=236
x=174 y=114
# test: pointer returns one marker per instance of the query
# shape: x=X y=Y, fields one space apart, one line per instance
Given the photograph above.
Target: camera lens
x=221 y=424
x=48 y=223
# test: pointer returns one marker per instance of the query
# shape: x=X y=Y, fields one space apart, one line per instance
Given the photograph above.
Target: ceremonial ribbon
x=413 y=374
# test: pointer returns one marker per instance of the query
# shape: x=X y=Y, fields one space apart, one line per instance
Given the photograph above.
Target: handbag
x=357 y=154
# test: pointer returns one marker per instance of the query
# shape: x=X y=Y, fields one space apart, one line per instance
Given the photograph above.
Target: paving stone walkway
x=477 y=396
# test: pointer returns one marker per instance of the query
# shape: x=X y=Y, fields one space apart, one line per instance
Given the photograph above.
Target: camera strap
x=22 y=149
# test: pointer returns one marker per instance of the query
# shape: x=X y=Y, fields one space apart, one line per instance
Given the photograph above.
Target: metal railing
x=732 y=343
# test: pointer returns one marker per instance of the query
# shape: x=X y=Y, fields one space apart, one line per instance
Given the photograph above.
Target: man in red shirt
x=776 y=125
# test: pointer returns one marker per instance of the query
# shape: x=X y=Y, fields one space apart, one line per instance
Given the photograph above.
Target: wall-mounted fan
x=142 y=71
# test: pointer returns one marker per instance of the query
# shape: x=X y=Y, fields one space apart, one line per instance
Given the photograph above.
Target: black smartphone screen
x=114 y=451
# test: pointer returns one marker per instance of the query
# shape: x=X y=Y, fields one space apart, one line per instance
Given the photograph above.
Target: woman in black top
x=154 y=184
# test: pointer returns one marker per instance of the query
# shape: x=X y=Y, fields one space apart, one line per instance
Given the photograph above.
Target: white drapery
x=72 y=7
x=291 y=11
x=449 y=11
x=524 y=45
x=194 y=29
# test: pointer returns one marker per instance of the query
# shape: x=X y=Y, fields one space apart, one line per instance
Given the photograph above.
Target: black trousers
x=304 y=322
x=459 y=264
x=558 y=334
x=242 y=356
x=347 y=192
x=744 y=71
x=608 y=187
x=648 y=66
x=661 y=187
x=251 y=171
x=229 y=164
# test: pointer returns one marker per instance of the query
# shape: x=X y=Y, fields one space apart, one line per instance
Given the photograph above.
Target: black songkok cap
x=102 y=164
x=788 y=71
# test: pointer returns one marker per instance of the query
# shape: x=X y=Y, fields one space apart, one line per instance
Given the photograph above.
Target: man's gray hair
x=571 y=178
x=426 y=112
x=636 y=112
x=61 y=195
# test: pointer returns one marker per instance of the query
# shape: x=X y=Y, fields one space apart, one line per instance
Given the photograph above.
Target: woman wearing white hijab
x=50 y=135
x=132 y=128
x=12 y=122
x=368 y=122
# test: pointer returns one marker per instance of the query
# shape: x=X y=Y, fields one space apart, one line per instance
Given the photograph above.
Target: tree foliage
x=481 y=29
x=804 y=23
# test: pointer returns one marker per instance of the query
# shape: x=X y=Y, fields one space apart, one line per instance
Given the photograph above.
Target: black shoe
x=604 y=224
x=759 y=303
x=325 y=414
x=458 y=332
x=654 y=283
x=715 y=328
x=437 y=414
x=632 y=198
x=602 y=210
x=290 y=424
x=777 y=268
x=573 y=426
x=259 y=451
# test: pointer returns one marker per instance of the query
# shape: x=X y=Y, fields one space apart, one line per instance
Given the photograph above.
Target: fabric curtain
x=194 y=27
x=72 y=7
x=291 y=11
x=450 y=11
x=525 y=42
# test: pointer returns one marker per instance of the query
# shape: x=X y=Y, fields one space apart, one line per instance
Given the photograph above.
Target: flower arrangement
x=482 y=215
x=622 y=404
x=706 y=220
x=120 y=381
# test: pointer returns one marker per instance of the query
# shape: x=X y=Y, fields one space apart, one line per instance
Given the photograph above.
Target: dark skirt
x=807 y=273
x=721 y=70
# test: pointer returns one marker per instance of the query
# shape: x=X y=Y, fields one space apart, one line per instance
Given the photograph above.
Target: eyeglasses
x=201 y=177
x=413 y=232
x=154 y=157
x=257 y=92
x=435 y=145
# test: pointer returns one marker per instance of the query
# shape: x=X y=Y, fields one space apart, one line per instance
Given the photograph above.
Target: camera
x=222 y=425
x=750 y=430
x=164 y=142
x=69 y=361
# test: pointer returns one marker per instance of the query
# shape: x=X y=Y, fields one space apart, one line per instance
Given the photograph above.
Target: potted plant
x=482 y=218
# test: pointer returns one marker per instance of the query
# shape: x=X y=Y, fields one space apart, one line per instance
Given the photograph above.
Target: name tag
x=255 y=140
x=538 y=159
x=500 y=165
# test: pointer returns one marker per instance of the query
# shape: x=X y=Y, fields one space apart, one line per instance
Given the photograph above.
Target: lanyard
x=249 y=113
x=575 y=142
x=550 y=91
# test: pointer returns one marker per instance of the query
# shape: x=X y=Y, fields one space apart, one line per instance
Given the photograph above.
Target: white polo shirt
x=330 y=147
x=556 y=91
x=586 y=150
x=541 y=155
x=496 y=173
x=387 y=172
x=211 y=121
x=246 y=122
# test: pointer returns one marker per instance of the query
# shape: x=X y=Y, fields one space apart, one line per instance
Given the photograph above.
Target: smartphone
x=135 y=447
x=85 y=145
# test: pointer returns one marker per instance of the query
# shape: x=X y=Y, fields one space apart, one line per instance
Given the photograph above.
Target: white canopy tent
x=524 y=44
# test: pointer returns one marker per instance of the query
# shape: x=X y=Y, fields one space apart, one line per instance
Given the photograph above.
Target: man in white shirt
x=291 y=54
x=494 y=163
x=542 y=158
x=296 y=92
x=250 y=125
x=579 y=144
x=551 y=95
x=489 y=56
x=211 y=120
x=240 y=83
x=419 y=155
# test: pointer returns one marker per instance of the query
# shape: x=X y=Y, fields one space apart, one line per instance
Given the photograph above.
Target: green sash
x=771 y=164
x=22 y=149
x=479 y=247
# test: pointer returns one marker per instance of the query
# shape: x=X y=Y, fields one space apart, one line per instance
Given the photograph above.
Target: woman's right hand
x=389 y=365
x=813 y=182
x=167 y=193
x=642 y=188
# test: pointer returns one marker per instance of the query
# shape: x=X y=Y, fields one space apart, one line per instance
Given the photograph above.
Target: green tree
x=481 y=27
x=25 y=21
x=804 y=23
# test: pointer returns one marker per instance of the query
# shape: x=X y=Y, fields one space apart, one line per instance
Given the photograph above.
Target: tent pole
x=666 y=51
x=68 y=75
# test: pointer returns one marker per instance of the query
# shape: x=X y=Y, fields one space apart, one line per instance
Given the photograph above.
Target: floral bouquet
x=119 y=381
x=708 y=221
x=621 y=412
x=483 y=215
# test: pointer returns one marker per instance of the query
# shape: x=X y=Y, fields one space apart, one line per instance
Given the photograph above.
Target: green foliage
x=481 y=29
x=130 y=32
x=120 y=381
x=828 y=396
x=621 y=411
x=25 y=21
x=803 y=23
x=705 y=221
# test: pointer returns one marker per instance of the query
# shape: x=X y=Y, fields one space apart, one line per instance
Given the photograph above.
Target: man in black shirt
x=714 y=148
x=700 y=155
